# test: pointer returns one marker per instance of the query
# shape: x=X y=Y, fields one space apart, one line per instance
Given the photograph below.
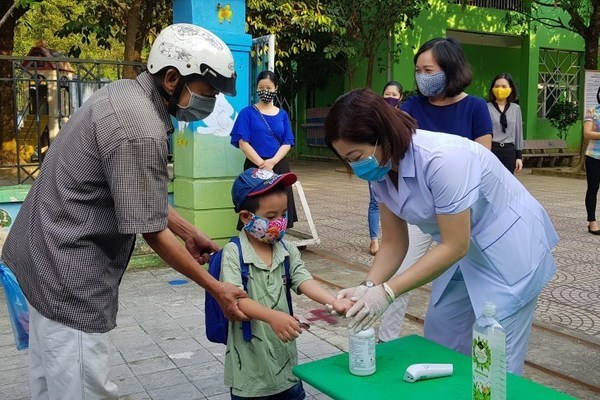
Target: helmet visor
x=223 y=84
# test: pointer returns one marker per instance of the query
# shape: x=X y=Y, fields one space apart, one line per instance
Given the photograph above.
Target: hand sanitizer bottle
x=489 y=356
x=361 y=352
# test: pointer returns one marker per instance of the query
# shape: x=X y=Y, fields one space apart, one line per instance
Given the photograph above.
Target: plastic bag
x=18 y=311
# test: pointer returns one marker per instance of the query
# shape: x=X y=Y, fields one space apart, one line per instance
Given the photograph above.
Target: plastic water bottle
x=489 y=356
x=361 y=352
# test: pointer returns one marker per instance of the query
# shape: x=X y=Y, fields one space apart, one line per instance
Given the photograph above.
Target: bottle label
x=361 y=352
x=489 y=366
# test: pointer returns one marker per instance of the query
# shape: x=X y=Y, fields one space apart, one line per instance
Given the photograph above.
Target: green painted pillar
x=205 y=162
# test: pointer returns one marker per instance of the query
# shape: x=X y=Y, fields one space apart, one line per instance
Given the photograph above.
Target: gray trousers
x=67 y=364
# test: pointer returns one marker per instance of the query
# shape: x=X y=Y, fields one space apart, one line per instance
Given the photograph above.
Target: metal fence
x=39 y=94
x=508 y=5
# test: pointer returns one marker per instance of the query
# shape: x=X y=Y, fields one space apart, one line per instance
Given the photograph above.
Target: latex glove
x=339 y=306
x=369 y=308
x=353 y=293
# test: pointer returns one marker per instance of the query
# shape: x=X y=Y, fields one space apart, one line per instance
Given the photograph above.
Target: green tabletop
x=331 y=375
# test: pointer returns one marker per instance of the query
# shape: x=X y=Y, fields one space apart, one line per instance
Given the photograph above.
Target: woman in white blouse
x=507 y=122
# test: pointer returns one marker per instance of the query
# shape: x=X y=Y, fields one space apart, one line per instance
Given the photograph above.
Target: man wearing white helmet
x=104 y=180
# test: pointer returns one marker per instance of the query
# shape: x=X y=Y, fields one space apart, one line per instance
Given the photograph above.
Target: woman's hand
x=353 y=293
x=369 y=308
x=518 y=165
x=268 y=164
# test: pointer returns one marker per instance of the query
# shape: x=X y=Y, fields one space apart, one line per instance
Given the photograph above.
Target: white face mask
x=199 y=107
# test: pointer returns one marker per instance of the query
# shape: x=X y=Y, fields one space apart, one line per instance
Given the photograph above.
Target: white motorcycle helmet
x=194 y=50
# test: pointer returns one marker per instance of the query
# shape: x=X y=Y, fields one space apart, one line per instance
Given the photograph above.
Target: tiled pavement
x=160 y=350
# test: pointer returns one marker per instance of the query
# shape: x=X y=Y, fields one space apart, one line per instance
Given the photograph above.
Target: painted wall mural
x=218 y=123
x=224 y=13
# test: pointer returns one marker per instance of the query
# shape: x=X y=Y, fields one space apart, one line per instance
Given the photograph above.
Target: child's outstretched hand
x=340 y=306
x=285 y=326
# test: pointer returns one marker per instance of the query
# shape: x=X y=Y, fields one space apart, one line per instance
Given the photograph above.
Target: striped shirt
x=103 y=180
x=593 y=146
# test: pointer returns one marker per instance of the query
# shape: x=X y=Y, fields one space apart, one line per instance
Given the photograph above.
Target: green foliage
x=368 y=23
x=46 y=17
x=294 y=22
x=26 y=3
x=301 y=26
x=562 y=116
x=105 y=23
x=304 y=29
x=581 y=17
x=317 y=39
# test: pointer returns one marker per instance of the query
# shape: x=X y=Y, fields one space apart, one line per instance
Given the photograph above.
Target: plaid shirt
x=103 y=180
x=593 y=146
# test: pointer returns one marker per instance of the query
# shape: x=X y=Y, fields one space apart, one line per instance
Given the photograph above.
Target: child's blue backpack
x=216 y=323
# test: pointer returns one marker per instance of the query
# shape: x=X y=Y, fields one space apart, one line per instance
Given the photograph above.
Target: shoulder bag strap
x=267 y=124
x=288 y=280
x=246 y=328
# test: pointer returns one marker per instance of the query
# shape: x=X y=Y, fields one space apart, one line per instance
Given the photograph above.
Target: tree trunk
x=370 y=66
x=132 y=30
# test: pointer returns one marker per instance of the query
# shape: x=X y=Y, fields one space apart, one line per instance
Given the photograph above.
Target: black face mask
x=266 y=96
x=392 y=101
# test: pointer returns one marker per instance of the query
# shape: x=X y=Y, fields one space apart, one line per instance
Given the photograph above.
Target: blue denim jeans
x=296 y=392
x=373 y=216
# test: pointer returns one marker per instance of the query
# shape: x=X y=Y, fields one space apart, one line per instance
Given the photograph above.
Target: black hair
x=450 y=56
x=362 y=116
x=512 y=97
x=598 y=95
x=270 y=75
x=252 y=203
x=393 y=83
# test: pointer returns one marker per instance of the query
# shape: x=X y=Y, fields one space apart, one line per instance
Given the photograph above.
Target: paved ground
x=160 y=351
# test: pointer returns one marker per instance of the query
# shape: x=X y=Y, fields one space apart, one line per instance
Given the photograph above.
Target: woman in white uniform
x=457 y=191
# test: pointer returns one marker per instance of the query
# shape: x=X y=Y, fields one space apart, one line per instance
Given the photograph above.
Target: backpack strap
x=288 y=279
x=246 y=327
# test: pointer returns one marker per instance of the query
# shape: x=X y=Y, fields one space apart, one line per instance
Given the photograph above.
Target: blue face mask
x=369 y=168
x=431 y=85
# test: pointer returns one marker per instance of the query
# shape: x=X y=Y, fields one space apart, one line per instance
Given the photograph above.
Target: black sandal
x=596 y=232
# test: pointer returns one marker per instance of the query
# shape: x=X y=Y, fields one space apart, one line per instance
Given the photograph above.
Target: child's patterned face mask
x=268 y=231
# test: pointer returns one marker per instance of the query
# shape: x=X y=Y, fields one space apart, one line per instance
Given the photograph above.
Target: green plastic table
x=331 y=376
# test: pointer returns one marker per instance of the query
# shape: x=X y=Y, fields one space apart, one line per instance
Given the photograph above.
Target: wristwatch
x=368 y=284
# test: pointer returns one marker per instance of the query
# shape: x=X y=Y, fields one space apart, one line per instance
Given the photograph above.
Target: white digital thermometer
x=417 y=372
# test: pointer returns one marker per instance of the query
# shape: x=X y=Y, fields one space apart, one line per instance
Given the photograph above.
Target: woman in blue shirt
x=264 y=133
x=460 y=193
x=442 y=73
